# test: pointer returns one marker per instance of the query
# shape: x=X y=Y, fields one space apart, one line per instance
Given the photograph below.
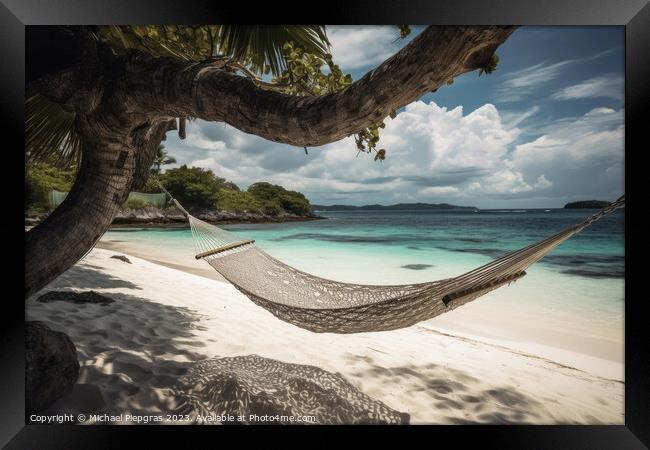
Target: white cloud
x=520 y=84
x=610 y=86
x=433 y=154
x=512 y=119
x=355 y=47
x=503 y=181
x=440 y=190
x=535 y=75
x=542 y=182
x=595 y=137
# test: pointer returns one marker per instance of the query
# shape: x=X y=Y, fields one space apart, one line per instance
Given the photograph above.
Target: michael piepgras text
x=166 y=418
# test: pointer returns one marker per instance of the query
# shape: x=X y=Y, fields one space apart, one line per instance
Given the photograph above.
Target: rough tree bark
x=112 y=162
x=125 y=104
x=433 y=58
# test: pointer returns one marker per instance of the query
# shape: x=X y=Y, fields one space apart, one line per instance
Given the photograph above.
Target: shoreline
x=164 y=318
x=181 y=223
x=477 y=320
x=159 y=218
x=199 y=268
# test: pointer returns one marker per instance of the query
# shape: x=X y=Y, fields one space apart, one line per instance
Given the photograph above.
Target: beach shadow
x=132 y=352
x=459 y=397
x=142 y=358
x=87 y=276
x=252 y=388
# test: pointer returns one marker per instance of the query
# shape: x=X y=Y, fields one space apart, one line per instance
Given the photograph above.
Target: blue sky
x=544 y=129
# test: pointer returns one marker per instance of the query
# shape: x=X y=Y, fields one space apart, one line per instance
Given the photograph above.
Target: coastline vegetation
x=40 y=179
x=200 y=189
x=196 y=188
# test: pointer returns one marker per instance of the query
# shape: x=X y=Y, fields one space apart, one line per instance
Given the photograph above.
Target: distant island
x=586 y=204
x=396 y=207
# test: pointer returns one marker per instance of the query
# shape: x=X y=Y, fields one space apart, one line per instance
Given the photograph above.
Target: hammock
x=322 y=305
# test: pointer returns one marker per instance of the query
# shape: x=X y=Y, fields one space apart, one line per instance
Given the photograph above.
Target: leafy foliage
x=404 y=31
x=237 y=201
x=304 y=75
x=162 y=159
x=261 y=46
x=50 y=134
x=134 y=203
x=50 y=131
x=258 y=47
x=195 y=187
x=296 y=55
x=201 y=189
x=491 y=65
x=275 y=199
x=43 y=178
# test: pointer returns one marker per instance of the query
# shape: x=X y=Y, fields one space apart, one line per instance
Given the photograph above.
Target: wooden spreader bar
x=489 y=285
x=224 y=248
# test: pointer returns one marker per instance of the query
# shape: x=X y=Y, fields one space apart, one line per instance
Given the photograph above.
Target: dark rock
x=266 y=391
x=51 y=366
x=75 y=297
x=121 y=258
x=157 y=216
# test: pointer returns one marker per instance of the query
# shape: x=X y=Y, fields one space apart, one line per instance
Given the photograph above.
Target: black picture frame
x=16 y=14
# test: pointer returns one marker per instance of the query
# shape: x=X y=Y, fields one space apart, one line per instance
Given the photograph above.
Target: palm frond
x=257 y=46
x=261 y=45
x=187 y=43
x=50 y=131
x=50 y=134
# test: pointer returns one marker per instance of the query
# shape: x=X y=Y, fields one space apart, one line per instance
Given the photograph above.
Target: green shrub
x=271 y=207
x=237 y=201
x=134 y=203
x=276 y=199
x=194 y=187
x=41 y=179
x=295 y=203
x=151 y=186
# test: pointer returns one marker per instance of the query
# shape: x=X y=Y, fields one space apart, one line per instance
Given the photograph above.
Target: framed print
x=341 y=221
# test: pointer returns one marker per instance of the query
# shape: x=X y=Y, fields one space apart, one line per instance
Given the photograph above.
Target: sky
x=546 y=128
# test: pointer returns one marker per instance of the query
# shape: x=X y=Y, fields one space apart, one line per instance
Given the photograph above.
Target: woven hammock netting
x=323 y=305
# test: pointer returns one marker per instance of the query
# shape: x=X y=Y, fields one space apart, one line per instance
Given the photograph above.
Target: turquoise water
x=585 y=275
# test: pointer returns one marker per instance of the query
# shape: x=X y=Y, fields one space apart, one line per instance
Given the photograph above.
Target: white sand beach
x=439 y=372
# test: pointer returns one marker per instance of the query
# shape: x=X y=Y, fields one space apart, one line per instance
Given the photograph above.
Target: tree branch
x=165 y=87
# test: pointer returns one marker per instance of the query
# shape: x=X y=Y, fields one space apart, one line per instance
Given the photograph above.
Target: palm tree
x=162 y=159
x=106 y=96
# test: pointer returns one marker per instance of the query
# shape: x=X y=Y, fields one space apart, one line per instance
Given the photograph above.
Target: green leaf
x=50 y=133
x=404 y=30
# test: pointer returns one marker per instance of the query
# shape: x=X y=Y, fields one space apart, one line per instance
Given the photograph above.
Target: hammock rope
x=323 y=305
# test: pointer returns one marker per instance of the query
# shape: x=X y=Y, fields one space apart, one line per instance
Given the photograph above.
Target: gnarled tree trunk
x=125 y=104
x=112 y=163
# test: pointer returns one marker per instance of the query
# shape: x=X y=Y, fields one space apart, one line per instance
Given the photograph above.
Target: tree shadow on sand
x=87 y=276
x=141 y=357
x=131 y=351
x=467 y=399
